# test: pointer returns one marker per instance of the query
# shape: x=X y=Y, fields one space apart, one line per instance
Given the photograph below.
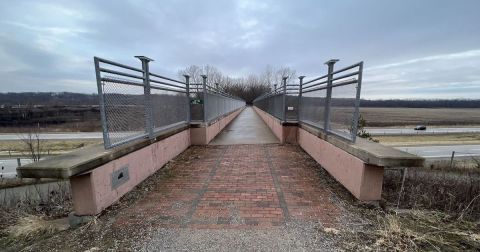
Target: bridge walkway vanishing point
x=247 y=128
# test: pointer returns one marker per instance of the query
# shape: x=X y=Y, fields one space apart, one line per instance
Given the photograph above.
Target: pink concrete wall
x=362 y=180
x=93 y=192
x=203 y=135
x=273 y=123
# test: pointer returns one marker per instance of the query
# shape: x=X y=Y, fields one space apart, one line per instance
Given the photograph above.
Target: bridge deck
x=232 y=187
x=247 y=128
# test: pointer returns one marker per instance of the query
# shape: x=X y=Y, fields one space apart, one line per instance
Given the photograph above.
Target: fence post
x=284 y=98
x=356 y=113
x=299 y=96
x=103 y=114
x=204 y=85
x=148 y=99
x=328 y=98
x=451 y=159
x=187 y=89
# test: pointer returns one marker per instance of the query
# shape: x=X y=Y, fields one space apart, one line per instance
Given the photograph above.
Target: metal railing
x=280 y=102
x=329 y=102
x=213 y=102
x=136 y=104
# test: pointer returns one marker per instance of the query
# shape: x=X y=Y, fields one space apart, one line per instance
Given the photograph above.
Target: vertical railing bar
x=356 y=113
x=300 y=96
x=328 y=97
x=284 y=111
x=204 y=84
x=189 y=109
x=103 y=115
x=147 y=93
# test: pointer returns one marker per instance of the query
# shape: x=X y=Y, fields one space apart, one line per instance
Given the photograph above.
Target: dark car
x=420 y=127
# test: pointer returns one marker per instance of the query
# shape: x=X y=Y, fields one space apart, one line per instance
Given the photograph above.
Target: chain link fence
x=330 y=102
x=212 y=102
x=137 y=104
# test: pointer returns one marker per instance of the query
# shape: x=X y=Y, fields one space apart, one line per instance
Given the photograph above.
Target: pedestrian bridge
x=262 y=160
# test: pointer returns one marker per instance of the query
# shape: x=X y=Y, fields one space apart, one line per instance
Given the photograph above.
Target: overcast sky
x=411 y=49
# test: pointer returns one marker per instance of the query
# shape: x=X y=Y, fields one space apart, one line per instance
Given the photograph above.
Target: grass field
x=385 y=117
x=19 y=148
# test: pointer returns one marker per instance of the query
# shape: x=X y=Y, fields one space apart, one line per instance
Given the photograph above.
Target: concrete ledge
x=83 y=160
x=369 y=152
x=202 y=134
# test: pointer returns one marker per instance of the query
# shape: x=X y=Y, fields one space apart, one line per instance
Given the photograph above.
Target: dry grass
x=31 y=226
x=452 y=192
x=415 y=140
x=50 y=146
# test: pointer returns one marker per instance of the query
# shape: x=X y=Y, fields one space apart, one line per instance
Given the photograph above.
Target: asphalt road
x=429 y=130
x=443 y=151
x=8 y=167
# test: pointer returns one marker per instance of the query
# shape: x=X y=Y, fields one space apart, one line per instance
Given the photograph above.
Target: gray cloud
x=411 y=49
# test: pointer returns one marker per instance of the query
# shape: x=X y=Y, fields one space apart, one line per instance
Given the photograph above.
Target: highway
x=443 y=151
x=8 y=167
x=428 y=131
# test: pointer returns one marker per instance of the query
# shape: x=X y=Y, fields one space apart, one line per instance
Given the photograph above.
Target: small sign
x=290 y=108
x=196 y=101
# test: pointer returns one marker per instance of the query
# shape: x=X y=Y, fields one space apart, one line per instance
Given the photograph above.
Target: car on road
x=420 y=127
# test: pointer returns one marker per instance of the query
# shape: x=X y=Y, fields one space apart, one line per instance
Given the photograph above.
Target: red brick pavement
x=238 y=186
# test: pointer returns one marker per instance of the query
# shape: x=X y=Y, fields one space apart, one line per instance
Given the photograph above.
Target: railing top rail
x=348 y=67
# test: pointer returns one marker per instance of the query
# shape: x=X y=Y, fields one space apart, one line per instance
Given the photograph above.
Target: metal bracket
x=119 y=177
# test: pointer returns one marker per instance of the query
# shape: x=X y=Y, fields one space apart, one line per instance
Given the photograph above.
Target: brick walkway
x=238 y=186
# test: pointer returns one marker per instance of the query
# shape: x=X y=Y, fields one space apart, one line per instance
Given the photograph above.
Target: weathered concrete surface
x=93 y=191
x=203 y=134
x=85 y=159
x=362 y=180
x=247 y=128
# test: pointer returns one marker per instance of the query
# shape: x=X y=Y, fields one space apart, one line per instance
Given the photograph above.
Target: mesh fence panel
x=168 y=108
x=124 y=111
x=312 y=108
x=217 y=105
x=342 y=110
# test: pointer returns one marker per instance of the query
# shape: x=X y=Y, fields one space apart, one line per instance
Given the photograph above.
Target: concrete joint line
x=188 y=218
x=278 y=189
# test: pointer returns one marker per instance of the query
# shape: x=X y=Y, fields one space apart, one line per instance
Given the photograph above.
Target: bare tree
x=247 y=88
x=34 y=144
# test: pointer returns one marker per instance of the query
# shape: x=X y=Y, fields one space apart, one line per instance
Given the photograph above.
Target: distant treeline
x=47 y=98
x=65 y=99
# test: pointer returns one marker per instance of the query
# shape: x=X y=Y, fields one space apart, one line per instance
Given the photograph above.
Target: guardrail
x=137 y=104
x=213 y=102
x=329 y=102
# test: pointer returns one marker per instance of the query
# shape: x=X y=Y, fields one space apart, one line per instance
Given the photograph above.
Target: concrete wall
x=203 y=135
x=364 y=181
x=92 y=192
x=285 y=133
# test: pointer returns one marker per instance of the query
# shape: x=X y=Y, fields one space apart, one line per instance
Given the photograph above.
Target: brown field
x=443 y=139
x=385 y=117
